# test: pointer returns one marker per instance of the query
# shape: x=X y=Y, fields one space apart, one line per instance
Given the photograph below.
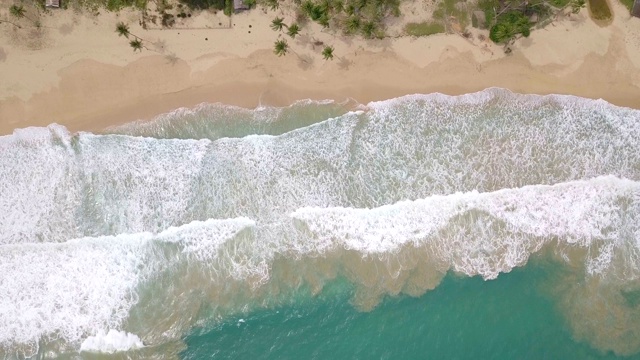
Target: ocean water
x=489 y=225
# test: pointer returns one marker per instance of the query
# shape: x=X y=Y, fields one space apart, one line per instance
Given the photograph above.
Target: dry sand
x=79 y=73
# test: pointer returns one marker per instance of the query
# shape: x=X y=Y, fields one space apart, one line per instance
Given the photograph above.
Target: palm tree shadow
x=348 y=40
x=171 y=58
x=304 y=40
x=344 y=63
x=384 y=44
x=305 y=62
x=66 y=29
x=160 y=46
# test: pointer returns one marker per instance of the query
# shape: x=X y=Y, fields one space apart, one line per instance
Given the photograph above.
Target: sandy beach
x=79 y=73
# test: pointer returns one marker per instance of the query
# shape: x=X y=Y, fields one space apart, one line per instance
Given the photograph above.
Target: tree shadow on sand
x=344 y=63
x=305 y=62
x=171 y=58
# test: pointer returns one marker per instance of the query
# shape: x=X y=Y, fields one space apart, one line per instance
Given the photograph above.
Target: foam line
x=489 y=233
x=111 y=342
x=82 y=286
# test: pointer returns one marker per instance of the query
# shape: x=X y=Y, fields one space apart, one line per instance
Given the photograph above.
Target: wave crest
x=490 y=233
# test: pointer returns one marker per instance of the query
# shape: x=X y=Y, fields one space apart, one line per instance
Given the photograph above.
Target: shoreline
x=101 y=86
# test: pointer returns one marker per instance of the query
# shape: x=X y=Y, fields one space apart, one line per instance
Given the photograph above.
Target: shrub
x=559 y=3
x=488 y=7
x=423 y=28
x=228 y=7
x=600 y=9
x=204 y=4
x=508 y=26
x=628 y=4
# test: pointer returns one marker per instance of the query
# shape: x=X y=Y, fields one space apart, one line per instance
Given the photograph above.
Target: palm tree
x=307 y=8
x=17 y=11
x=122 y=30
x=294 y=29
x=324 y=20
x=369 y=29
x=327 y=53
x=338 y=6
x=277 y=24
x=281 y=47
x=353 y=24
x=273 y=4
x=136 y=45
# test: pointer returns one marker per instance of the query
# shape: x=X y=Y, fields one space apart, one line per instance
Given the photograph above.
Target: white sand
x=79 y=73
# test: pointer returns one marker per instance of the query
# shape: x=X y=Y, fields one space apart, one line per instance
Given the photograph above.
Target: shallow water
x=463 y=318
x=364 y=228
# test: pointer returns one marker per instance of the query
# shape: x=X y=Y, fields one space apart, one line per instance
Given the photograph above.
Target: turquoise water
x=463 y=318
x=489 y=225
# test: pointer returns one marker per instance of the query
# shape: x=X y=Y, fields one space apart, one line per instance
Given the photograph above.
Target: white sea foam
x=56 y=186
x=111 y=342
x=71 y=289
x=215 y=232
x=490 y=233
x=568 y=102
x=32 y=201
x=216 y=120
x=51 y=192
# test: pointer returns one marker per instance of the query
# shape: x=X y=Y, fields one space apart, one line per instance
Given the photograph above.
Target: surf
x=391 y=197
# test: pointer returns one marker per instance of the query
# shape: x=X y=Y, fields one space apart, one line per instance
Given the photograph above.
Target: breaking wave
x=111 y=342
x=107 y=236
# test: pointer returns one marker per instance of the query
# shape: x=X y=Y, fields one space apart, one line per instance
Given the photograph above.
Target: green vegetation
x=508 y=19
x=628 y=4
x=451 y=8
x=423 y=28
x=559 y=3
x=577 y=5
x=277 y=24
x=281 y=47
x=352 y=25
x=600 y=9
x=327 y=53
x=273 y=5
x=17 y=11
x=370 y=30
x=110 y=5
x=364 y=17
x=509 y=26
x=136 y=43
x=293 y=30
x=489 y=7
x=205 y=4
x=228 y=7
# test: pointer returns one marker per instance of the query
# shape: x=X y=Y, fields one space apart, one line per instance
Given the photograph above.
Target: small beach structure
x=635 y=10
x=52 y=3
x=478 y=20
x=239 y=5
